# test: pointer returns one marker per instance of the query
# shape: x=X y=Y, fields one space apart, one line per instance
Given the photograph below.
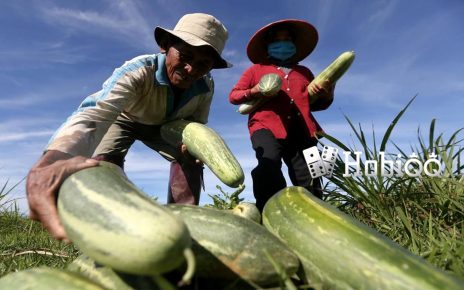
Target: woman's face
x=282 y=35
x=186 y=64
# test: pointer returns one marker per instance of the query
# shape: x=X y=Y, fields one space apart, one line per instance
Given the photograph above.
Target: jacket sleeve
x=241 y=91
x=321 y=104
x=85 y=128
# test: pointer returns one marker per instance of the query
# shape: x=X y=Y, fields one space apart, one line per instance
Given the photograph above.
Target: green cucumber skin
x=247 y=210
x=342 y=253
x=234 y=246
x=337 y=68
x=206 y=145
x=45 y=278
x=109 y=278
x=270 y=84
x=333 y=72
x=110 y=220
x=250 y=106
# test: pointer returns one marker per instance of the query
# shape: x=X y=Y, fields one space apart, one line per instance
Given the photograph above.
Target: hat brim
x=161 y=33
x=306 y=38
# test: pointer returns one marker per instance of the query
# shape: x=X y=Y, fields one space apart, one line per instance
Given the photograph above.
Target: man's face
x=185 y=64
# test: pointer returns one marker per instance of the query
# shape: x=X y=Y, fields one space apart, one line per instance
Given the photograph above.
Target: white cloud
x=21 y=101
x=24 y=136
x=25 y=125
x=59 y=92
x=382 y=12
x=122 y=20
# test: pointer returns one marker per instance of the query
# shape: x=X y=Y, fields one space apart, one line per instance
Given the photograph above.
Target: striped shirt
x=140 y=90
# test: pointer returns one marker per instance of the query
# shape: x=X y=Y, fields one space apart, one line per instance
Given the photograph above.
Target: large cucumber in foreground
x=206 y=145
x=341 y=252
x=44 y=278
x=333 y=72
x=227 y=246
x=110 y=220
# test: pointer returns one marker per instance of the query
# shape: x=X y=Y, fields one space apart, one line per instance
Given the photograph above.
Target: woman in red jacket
x=282 y=126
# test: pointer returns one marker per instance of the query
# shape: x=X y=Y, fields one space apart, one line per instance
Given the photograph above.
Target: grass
x=423 y=213
x=24 y=243
x=226 y=200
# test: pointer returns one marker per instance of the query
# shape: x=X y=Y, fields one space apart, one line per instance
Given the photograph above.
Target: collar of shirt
x=198 y=87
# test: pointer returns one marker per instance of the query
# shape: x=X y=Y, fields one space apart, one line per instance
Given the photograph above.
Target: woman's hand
x=324 y=91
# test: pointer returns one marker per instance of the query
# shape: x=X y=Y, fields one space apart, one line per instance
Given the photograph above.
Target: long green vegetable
x=113 y=222
x=228 y=246
x=341 y=253
x=333 y=72
x=206 y=145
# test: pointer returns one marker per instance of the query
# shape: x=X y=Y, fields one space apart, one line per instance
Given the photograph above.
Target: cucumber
x=45 y=278
x=227 y=246
x=113 y=222
x=206 y=145
x=269 y=85
x=247 y=210
x=333 y=72
x=342 y=253
x=109 y=278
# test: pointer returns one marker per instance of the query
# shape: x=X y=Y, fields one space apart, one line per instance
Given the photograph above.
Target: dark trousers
x=186 y=177
x=267 y=176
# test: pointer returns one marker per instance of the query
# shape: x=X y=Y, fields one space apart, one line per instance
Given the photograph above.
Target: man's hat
x=199 y=29
x=305 y=38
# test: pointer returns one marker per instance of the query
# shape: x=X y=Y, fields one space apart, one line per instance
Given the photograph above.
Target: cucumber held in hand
x=110 y=220
x=250 y=106
x=341 y=252
x=206 y=145
x=333 y=72
x=269 y=85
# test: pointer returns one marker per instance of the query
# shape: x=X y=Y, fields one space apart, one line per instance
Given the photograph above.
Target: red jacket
x=277 y=113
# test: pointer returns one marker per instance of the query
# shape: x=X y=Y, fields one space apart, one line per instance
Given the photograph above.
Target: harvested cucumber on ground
x=341 y=253
x=113 y=222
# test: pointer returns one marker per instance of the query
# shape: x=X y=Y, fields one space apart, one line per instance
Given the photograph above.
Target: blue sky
x=54 y=53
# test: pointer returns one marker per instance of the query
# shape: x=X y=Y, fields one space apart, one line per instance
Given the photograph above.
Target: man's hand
x=190 y=158
x=43 y=183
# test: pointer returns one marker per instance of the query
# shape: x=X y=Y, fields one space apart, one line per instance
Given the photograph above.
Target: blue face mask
x=281 y=50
